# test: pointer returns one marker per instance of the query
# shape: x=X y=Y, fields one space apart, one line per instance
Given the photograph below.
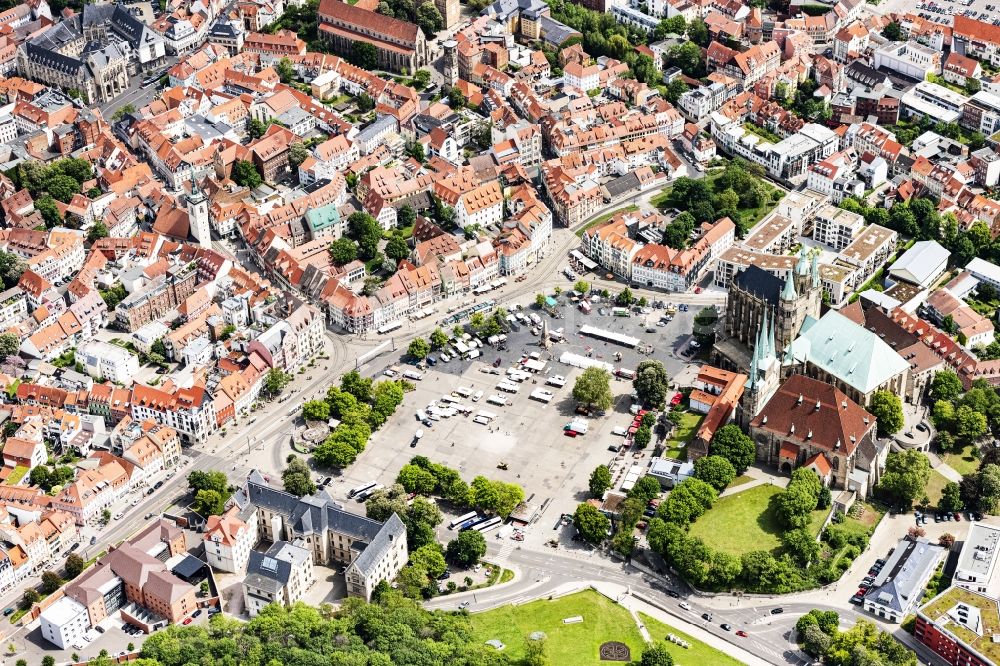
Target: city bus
x=487 y=525
x=389 y=328
x=461 y=519
x=360 y=489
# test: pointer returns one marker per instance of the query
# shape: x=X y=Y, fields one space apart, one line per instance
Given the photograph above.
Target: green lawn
x=566 y=644
x=676 y=446
x=962 y=461
x=744 y=522
x=740 y=480
x=16 y=476
x=604 y=218
x=935 y=486
x=698 y=653
x=748 y=217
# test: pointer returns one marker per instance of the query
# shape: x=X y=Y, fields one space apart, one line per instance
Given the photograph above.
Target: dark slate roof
x=309 y=515
x=52 y=59
x=129 y=27
x=391 y=530
x=622 y=184
x=760 y=283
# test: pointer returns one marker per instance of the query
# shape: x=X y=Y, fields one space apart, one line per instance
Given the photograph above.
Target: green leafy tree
x=363 y=55
x=406 y=216
x=656 y=654
x=297 y=479
x=801 y=545
x=363 y=228
x=887 y=408
x=416 y=479
x=893 y=32
x=124 y=110
x=97 y=231
x=980 y=491
x=297 y=154
x=285 y=70
x=354 y=383
x=467 y=548
x=625 y=298
x=9 y=344
x=581 y=286
x=316 y=410
x=74 y=566
x=592 y=525
x=593 y=388
x=209 y=503
x=970 y=425
x=397 y=249
x=600 y=480
x=651 y=383
x=62 y=188
x=906 y=475
x=951 y=497
x=49 y=211
x=276 y=380
x=245 y=174
x=51 y=582
x=716 y=471
x=335 y=453
x=732 y=444
x=645 y=489
x=456 y=99
x=418 y=348
x=438 y=338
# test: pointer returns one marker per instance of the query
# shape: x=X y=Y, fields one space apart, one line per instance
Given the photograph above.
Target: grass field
x=935 y=486
x=604 y=218
x=676 y=446
x=963 y=461
x=744 y=522
x=698 y=653
x=740 y=480
x=566 y=644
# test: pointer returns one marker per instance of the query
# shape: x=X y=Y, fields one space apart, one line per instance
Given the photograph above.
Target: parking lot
x=527 y=435
x=943 y=11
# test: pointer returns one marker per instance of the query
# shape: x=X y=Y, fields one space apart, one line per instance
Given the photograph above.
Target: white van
x=413 y=374
x=476 y=396
x=475 y=353
x=421 y=415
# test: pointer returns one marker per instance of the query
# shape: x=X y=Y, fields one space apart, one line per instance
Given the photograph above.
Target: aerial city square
x=523 y=333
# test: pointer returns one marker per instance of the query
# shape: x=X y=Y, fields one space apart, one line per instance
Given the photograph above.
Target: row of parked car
x=869 y=580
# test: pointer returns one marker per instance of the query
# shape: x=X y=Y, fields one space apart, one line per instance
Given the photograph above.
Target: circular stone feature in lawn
x=615 y=651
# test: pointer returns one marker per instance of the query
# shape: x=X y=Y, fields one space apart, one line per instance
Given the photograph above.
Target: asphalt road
x=769 y=637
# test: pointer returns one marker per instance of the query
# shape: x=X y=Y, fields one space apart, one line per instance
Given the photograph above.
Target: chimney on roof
x=837 y=445
x=800 y=400
x=809 y=435
x=792 y=431
x=818 y=404
x=763 y=421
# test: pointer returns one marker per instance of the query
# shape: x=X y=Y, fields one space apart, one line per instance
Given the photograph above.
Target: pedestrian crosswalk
x=505 y=550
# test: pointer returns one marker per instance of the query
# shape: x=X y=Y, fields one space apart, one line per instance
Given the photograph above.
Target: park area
x=736 y=191
x=698 y=653
x=579 y=643
x=676 y=445
x=964 y=461
x=746 y=521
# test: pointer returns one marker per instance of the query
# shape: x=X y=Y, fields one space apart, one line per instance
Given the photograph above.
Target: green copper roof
x=323 y=217
x=849 y=352
x=788 y=293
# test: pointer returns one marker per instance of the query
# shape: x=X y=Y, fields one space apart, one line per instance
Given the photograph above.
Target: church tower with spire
x=801 y=297
x=197 y=206
x=763 y=378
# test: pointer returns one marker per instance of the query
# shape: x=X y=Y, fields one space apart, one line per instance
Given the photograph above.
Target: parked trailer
x=507 y=387
x=556 y=380
x=461 y=519
x=542 y=395
x=497 y=399
x=413 y=375
x=579 y=427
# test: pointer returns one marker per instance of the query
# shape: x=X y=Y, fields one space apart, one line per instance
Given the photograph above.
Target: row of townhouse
x=617 y=246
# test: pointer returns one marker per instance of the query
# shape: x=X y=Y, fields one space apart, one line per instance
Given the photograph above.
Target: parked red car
x=569 y=433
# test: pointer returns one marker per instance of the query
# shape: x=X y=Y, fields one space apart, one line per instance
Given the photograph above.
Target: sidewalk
x=621 y=594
